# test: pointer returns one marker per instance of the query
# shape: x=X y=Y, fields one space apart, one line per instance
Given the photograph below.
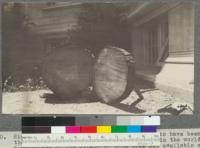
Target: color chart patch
x=101 y=124
x=91 y=120
x=87 y=129
x=90 y=131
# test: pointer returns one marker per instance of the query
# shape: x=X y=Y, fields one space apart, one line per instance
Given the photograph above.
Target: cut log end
x=68 y=72
x=114 y=74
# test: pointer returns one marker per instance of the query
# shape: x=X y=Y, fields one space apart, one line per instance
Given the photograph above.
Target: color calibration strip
x=95 y=124
x=91 y=120
x=88 y=129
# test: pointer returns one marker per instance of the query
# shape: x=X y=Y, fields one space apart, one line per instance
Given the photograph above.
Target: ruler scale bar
x=64 y=140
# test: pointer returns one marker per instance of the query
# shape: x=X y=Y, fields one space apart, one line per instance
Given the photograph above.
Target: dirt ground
x=45 y=102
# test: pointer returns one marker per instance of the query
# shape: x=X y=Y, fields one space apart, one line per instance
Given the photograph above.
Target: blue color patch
x=150 y=129
x=134 y=129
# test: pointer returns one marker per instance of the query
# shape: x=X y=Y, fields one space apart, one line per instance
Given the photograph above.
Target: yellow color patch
x=103 y=129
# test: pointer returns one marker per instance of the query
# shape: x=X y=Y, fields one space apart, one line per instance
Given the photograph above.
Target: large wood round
x=68 y=72
x=114 y=74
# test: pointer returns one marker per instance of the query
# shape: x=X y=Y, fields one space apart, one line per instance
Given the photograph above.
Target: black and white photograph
x=127 y=58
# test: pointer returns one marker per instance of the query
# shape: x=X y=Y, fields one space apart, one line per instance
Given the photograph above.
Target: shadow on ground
x=172 y=110
x=143 y=86
x=52 y=98
x=129 y=108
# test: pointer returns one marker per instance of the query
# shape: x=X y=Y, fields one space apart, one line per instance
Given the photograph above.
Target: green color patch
x=119 y=129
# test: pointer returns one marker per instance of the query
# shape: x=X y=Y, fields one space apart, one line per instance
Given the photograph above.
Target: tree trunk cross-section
x=69 y=72
x=114 y=74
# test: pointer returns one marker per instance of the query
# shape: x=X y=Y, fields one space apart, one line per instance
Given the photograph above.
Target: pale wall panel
x=181 y=29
